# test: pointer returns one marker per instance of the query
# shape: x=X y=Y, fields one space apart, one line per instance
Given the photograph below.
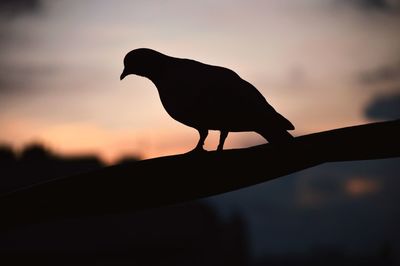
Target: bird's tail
x=276 y=136
x=283 y=122
x=277 y=131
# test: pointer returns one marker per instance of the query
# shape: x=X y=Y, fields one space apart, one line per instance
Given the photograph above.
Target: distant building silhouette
x=37 y=164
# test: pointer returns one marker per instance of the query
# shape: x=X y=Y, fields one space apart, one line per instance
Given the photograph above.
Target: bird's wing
x=240 y=100
x=259 y=107
x=219 y=95
x=220 y=87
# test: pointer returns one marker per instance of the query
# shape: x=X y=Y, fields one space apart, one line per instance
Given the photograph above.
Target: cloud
x=386 y=73
x=9 y=11
x=368 y=5
x=17 y=80
x=359 y=186
x=384 y=107
x=13 y=8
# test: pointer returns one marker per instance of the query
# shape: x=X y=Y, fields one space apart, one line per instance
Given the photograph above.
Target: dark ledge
x=179 y=178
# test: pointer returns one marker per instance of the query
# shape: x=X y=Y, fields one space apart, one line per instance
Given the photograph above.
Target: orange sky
x=60 y=67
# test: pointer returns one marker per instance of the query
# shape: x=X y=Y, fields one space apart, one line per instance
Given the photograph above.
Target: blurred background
x=323 y=64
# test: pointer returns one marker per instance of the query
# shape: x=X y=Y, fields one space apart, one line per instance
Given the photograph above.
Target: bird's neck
x=156 y=71
x=154 y=75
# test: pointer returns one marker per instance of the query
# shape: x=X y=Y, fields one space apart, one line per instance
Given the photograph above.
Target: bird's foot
x=197 y=150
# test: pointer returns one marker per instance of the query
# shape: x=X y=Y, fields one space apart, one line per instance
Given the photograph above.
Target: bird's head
x=143 y=62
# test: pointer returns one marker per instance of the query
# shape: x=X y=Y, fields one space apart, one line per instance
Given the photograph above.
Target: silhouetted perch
x=179 y=178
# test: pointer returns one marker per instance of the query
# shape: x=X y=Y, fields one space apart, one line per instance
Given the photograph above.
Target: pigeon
x=208 y=97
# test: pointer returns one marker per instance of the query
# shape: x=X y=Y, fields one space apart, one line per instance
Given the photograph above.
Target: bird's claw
x=197 y=150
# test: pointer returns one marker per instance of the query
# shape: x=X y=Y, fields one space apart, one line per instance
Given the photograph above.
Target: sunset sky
x=319 y=63
x=323 y=64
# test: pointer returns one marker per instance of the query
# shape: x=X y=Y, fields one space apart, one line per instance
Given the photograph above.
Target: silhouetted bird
x=207 y=97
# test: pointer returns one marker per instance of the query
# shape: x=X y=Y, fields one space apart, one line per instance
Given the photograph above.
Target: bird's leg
x=222 y=138
x=203 y=135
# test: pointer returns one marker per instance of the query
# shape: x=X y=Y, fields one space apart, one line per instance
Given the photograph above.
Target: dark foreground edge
x=179 y=178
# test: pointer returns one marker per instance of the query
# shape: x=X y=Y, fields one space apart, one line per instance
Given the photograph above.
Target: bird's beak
x=123 y=75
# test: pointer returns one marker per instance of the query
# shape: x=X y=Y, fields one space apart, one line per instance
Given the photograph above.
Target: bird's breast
x=180 y=103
